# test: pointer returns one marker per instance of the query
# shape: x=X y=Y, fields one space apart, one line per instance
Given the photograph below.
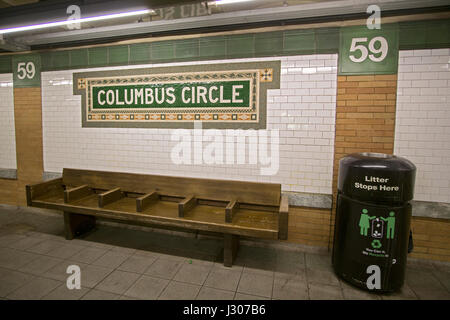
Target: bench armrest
x=35 y=190
x=283 y=216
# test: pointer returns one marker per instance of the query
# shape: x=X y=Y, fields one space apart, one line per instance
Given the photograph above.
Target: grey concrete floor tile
x=441 y=265
x=290 y=287
x=243 y=296
x=137 y=263
x=321 y=276
x=219 y=265
x=298 y=257
x=128 y=298
x=419 y=264
x=111 y=259
x=207 y=293
x=146 y=253
x=324 y=292
x=443 y=277
x=91 y=275
x=147 y=288
x=89 y=254
x=190 y=273
x=163 y=268
x=94 y=244
x=45 y=246
x=40 y=265
x=353 y=293
x=7 y=239
x=25 y=243
x=36 y=289
x=118 y=282
x=63 y=293
x=425 y=285
x=12 y=280
x=15 y=259
x=123 y=250
x=405 y=293
x=180 y=291
x=318 y=261
x=223 y=278
x=291 y=265
x=431 y=293
x=171 y=257
x=95 y=294
x=256 y=284
x=4 y=272
x=66 y=251
x=267 y=270
x=207 y=261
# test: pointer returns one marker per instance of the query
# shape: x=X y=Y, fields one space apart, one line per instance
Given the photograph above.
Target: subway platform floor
x=123 y=263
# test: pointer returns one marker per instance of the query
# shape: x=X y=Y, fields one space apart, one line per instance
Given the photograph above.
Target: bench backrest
x=245 y=192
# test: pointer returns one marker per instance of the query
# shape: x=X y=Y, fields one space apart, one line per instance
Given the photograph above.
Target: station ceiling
x=167 y=17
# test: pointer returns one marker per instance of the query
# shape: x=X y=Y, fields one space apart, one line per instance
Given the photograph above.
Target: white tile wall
x=7 y=131
x=422 y=130
x=303 y=110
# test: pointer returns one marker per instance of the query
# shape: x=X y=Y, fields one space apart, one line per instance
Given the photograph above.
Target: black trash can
x=373 y=218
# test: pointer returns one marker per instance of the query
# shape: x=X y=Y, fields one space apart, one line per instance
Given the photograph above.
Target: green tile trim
x=79 y=58
x=5 y=64
x=268 y=43
x=60 y=59
x=327 y=40
x=412 y=35
x=424 y=34
x=140 y=52
x=213 y=47
x=187 y=49
x=118 y=55
x=162 y=51
x=240 y=46
x=98 y=56
x=299 y=41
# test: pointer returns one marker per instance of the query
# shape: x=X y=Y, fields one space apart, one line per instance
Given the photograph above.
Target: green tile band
x=411 y=35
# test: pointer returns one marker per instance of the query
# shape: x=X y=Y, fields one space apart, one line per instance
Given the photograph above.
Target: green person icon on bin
x=364 y=222
x=390 y=225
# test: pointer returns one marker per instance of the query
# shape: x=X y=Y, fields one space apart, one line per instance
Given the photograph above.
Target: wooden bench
x=231 y=208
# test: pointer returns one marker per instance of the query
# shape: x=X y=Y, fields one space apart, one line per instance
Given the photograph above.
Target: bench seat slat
x=247 y=229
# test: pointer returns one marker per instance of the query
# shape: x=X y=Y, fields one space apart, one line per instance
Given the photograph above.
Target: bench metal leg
x=231 y=246
x=76 y=224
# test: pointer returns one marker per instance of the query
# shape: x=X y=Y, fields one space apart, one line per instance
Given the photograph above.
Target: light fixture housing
x=81 y=20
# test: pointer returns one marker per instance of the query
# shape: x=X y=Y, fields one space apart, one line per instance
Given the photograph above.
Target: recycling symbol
x=376 y=244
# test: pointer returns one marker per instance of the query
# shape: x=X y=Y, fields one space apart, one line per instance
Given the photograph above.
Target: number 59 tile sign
x=365 y=51
x=26 y=71
x=222 y=96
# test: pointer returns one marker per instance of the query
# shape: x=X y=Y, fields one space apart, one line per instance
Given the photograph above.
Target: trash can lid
x=377 y=177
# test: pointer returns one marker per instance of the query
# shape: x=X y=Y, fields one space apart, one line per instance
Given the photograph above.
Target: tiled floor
x=119 y=263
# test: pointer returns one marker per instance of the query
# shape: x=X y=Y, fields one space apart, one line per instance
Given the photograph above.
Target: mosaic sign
x=220 y=95
x=26 y=70
x=365 y=51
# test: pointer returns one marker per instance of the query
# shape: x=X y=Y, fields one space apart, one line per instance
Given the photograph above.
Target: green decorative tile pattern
x=412 y=35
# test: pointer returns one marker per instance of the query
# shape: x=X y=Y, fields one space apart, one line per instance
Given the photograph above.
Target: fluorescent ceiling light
x=81 y=20
x=230 y=1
